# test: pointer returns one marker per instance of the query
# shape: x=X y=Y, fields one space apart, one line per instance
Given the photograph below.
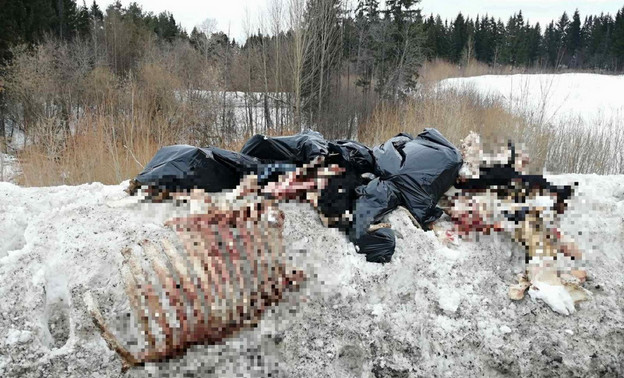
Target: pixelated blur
x=230 y=268
x=228 y=264
x=497 y=195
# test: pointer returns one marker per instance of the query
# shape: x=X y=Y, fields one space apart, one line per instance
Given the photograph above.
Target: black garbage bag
x=352 y=155
x=340 y=194
x=375 y=200
x=419 y=170
x=412 y=172
x=298 y=149
x=183 y=167
x=389 y=156
x=378 y=246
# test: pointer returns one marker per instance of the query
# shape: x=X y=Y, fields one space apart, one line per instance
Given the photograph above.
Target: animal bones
x=232 y=267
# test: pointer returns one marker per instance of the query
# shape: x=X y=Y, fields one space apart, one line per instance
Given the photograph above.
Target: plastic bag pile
x=404 y=171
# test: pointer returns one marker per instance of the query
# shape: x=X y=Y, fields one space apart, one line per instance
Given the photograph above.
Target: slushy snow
x=435 y=310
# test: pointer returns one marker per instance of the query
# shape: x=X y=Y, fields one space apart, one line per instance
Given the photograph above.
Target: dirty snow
x=435 y=310
x=9 y=168
x=556 y=99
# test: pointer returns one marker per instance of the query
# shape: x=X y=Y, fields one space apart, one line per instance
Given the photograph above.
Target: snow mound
x=555 y=99
x=433 y=311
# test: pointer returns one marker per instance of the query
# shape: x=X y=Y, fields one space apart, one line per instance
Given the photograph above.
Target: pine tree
x=573 y=39
x=66 y=20
x=95 y=12
x=83 y=21
x=562 y=39
x=13 y=14
x=617 y=47
x=459 y=37
x=533 y=44
x=551 y=45
x=368 y=9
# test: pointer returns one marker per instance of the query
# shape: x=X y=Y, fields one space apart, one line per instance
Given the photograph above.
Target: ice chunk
x=449 y=300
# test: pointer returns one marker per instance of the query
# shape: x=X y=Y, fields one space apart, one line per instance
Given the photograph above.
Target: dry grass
x=439 y=69
x=579 y=149
x=111 y=141
x=570 y=147
x=106 y=149
x=455 y=115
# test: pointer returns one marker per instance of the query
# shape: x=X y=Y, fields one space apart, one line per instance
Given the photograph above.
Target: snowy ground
x=9 y=168
x=556 y=99
x=432 y=311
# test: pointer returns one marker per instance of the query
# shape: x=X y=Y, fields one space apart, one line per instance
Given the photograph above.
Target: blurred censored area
x=226 y=269
x=227 y=264
x=495 y=194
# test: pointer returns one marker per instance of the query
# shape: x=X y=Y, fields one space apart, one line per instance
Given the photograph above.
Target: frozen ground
x=432 y=311
x=557 y=99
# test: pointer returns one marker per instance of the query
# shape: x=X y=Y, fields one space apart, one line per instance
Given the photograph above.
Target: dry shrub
x=574 y=147
x=104 y=150
x=100 y=88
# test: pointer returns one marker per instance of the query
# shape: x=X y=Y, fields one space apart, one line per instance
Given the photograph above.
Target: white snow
x=505 y=329
x=434 y=310
x=555 y=99
x=9 y=168
x=449 y=300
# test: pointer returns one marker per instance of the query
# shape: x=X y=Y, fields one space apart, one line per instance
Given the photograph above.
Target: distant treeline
x=595 y=43
x=30 y=21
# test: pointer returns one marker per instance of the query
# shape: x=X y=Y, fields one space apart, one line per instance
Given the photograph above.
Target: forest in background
x=93 y=93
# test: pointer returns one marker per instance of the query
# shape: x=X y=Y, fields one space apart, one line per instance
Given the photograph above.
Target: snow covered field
x=556 y=99
x=433 y=311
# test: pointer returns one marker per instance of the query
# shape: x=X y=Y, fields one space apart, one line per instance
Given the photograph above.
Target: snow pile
x=434 y=310
x=9 y=168
x=555 y=99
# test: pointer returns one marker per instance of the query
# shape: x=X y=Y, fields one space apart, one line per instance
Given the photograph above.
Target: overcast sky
x=231 y=13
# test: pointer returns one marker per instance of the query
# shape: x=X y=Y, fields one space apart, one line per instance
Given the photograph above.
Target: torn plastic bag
x=420 y=170
x=375 y=200
x=389 y=156
x=378 y=246
x=298 y=149
x=352 y=156
x=183 y=167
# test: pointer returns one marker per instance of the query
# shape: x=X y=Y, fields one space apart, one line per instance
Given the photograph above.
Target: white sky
x=230 y=14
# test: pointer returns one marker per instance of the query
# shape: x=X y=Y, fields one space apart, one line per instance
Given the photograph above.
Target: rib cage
x=231 y=269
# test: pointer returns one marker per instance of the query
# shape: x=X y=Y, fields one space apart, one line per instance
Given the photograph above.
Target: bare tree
x=300 y=46
x=207 y=27
x=268 y=123
x=327 y=45
x=276 y=16
x=249 y=100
